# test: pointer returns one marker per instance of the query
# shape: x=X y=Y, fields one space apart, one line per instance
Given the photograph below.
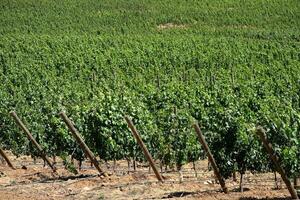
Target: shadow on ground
x=238 y=190
x=66 y=178
x=178 y=194
x=266 y=198
x=184 y=194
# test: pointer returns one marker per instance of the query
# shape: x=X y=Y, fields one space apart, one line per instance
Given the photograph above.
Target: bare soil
x=38 y=182
x=171 y=26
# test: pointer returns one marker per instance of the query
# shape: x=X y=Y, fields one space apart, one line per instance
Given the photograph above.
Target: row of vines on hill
x=163 y=84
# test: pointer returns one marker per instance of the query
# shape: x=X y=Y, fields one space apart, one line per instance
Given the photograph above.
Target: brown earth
x=171 y=26
x=38 y=182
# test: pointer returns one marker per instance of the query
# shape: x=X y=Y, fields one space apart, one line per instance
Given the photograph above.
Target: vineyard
x=230 y=66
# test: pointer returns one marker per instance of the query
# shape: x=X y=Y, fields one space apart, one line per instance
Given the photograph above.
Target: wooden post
x=82 y=144
x=3 y=154
x=144 y=148
x=28 y=134
x=275 y=179
x=261 y=133
x=210 y=158
x=295 y=181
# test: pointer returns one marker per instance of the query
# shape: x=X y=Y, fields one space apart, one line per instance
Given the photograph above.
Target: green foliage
x=68 y=165
x=230 y=65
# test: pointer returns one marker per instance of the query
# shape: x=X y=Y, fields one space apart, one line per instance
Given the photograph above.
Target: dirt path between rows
x=38 y=182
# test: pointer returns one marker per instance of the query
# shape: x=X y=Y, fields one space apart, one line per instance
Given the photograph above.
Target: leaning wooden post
x=26 y=131
x=144 y=148
x=3 y=154
x=261 y=133
x=210 y=158
x=82 y=144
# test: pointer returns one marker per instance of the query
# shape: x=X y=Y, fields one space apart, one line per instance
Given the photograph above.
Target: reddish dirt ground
x=38 y=182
